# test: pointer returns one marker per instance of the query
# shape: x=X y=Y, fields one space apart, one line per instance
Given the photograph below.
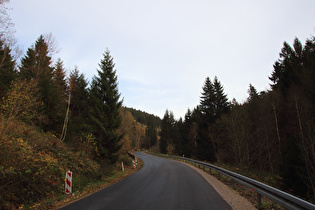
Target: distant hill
x=144 y=117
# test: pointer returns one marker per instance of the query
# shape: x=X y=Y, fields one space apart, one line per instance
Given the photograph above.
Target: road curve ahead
x=160 y=184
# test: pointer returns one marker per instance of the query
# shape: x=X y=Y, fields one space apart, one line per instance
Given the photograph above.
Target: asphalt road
x=160 y=184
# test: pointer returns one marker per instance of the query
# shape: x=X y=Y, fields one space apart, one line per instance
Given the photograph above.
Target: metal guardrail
x=284 y=199
x=131 y=154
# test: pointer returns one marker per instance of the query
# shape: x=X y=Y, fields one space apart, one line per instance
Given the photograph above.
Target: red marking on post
x=68 y=182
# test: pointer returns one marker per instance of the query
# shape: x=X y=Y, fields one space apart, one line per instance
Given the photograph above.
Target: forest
x=273 y=131
x=53 y=120
x=50 y=123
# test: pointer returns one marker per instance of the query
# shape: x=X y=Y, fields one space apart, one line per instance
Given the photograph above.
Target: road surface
x=160 y=184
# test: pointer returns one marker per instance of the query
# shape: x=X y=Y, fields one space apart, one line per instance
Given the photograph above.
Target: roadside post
x=134 y=163
x=68 y=183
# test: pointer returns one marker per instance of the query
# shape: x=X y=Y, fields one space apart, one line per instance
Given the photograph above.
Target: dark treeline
x=273 y=131
x=144 y=117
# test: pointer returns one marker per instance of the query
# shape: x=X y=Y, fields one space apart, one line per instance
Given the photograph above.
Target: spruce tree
x=204 y=148
x=221 y=105
x=61 y=96
x=165 y=133
x=216 y=131
x=287 y=70
x=37 y=66
x=213 y=104
x=309 y=65
x=79 y=106
x=168 y=132
x=105 y=105
x=185 y=133
x=59 y=78
x=151 y=132
x=7 y=69
x=293 y=79
x=207 y=101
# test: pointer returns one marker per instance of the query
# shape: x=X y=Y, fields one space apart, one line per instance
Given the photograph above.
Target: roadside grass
x=83 y=187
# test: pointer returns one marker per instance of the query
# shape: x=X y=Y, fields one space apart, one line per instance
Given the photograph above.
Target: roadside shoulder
x=229 y=195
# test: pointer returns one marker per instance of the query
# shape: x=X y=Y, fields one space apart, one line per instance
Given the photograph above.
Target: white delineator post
x=134 y=163
x=68 y=182
x=122 y=166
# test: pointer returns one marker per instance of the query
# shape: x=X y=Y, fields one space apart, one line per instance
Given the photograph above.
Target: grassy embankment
x=33 y=165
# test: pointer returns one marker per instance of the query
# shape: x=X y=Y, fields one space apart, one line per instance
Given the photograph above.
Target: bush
x=126 y=159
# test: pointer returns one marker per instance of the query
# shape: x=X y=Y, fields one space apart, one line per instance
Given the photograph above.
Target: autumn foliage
x=51 y=123
x=33 y=163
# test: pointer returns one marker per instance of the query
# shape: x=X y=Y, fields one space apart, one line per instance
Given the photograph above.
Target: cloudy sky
x=164 y=49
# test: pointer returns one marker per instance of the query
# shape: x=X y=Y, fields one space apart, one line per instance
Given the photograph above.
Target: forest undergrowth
x=33 y=166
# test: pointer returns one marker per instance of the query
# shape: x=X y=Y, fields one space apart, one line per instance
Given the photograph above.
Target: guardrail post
x=210 y=172
x=258 y=200
x=219 y=176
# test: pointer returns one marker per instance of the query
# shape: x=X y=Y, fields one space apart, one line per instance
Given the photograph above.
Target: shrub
x=126 y=159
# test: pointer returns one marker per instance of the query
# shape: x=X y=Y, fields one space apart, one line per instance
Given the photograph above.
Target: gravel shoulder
x=229 y=195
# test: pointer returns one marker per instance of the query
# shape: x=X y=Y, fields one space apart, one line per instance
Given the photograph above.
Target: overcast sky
x=164 y=49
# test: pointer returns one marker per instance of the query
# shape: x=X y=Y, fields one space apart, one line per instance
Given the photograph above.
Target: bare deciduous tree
x=7 y=31
x=52 y=44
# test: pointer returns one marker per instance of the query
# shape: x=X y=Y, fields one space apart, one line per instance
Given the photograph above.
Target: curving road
x=161 y=184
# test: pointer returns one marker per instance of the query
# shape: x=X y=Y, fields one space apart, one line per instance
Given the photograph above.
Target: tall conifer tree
x=164 y=133
x=221 y=104
x=167 y=132
x=207 y=101
x=61 y=96
x=105 y=110
x=7 y=69
x=79 y=106
x=204 y=149
x=59 y=77
x=290 y=78
x=151 y=132
x=36 y=66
